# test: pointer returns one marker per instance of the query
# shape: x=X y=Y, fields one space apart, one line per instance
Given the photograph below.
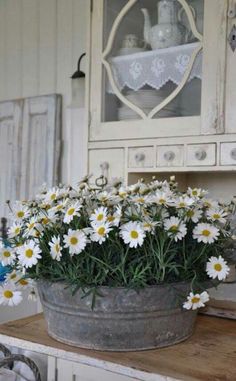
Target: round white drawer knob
x=200 y=154
x=139 y=157
x=233 y=154
x=104 y=166
x=169 y=156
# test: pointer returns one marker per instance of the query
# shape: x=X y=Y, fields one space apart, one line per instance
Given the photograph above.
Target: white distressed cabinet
x=161 y=108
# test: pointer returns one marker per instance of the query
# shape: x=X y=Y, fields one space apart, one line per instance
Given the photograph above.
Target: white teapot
x=168 y=32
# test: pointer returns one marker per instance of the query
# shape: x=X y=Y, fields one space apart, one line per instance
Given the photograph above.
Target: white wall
x=40 y=42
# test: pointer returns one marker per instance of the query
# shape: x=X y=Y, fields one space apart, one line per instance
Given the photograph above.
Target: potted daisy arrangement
x=117 y=268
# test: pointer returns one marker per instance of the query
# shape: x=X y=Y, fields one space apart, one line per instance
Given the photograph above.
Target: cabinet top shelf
x=208 y=354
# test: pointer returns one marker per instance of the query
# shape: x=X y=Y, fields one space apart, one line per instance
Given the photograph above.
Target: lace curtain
x=155 y=68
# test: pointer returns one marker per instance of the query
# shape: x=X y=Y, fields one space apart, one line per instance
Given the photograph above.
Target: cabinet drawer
x=201 y=154
x=228 y=153
x=141 y=157
x=172 y=156
x=106 y=162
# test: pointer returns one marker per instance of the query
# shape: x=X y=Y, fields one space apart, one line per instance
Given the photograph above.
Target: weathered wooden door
x=40 y=143
x=30 y=132
x=10 y=152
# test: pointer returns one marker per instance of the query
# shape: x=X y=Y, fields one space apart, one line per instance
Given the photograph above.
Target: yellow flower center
x=20 y=214
x=57 y=248
x=100 y=217
x=206 y=233
x=182 y=205
x=134 y=234
x=110 y=218
x=101 y=231
x=195 y=299
x=122 y=194
x=59 y=207
x=218 y=267
x=174 y=229
x=30 y=226
x=13 y=276
x=194 y=192
x=17 y=230
x=45 y=221
x=141 y=199
x=53 y=196
x=190 y=213
x=6 y=254
x=23 y=282
x=8 y=294
x=162 y=201
x=29 y=253
x=73 y=240
x=216 y=216
x=71 y=211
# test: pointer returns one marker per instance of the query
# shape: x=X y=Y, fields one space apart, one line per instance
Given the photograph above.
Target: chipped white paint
x=72 y=365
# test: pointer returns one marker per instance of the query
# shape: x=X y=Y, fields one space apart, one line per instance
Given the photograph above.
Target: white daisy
x=140 y=199
x=99 y=216
x=133 y=234
x=9 y=296
x=20 y=211
x=72 y=211
x=196 y=192
x=51 y=195
x=100 y=232
x=13 y=277
x=162 y=198
x=211 y=204
x=194 y=214
x=217 y=215
x=7 y=255
x=75 y=241
x=123 y=193
x=195 y=301
x=205 y=233
x=29 y=254
x=175 y=228
x=149 y=225
x=24 y=283
x=31 y=227
x=114 y=219
x=14 y=230
x=217 y=268
x=184 y=202
x=55 y=248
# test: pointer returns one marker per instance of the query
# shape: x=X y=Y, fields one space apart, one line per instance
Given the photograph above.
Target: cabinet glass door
x=152 y=59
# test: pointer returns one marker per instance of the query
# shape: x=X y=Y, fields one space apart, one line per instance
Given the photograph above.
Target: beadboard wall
x=40 y=42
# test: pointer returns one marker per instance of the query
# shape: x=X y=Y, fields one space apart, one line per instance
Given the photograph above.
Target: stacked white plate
x=125 y=113
x=146 y=100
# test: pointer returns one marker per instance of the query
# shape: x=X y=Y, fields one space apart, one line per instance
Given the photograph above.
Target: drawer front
x=141 y=157
x=170 y=156
x=201 y=154
x=106 y=162
x=228 y=153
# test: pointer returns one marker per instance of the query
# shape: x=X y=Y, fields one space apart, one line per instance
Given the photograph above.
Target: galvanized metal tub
x=122 y=320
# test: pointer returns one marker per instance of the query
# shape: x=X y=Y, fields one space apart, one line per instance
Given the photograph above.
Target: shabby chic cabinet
x=161 y=87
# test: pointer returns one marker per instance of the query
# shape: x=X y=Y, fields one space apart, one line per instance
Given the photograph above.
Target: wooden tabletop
x=209 y=355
